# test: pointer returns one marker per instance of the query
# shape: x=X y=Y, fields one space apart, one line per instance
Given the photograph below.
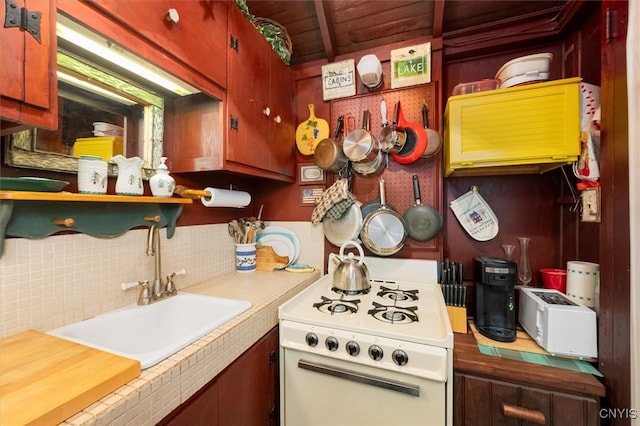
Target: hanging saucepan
x=348 y=226
x=360 y=146
x=328 y=154
x=416 y=141
x=434 y=141
x=423 y=222
x=374 y=166
x=384 y=230
x=392 y=138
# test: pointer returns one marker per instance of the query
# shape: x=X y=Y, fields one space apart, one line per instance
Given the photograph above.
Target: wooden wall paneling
x=614 y=330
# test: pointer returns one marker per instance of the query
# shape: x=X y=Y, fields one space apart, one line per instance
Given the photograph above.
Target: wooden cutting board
x=46 y=379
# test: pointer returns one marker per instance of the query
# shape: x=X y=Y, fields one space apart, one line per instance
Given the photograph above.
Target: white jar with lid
x=162 y=184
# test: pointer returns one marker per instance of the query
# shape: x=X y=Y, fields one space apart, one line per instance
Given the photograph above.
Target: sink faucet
x=153 y=249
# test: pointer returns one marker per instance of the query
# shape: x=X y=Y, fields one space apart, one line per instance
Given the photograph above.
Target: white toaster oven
x=556 y=323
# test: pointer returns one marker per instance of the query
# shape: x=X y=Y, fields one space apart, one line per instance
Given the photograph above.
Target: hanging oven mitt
x=333 y=202
x=475 y=215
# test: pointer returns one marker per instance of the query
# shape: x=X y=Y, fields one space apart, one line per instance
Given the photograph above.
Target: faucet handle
x=127 y=286
x=144 y=298
x=170 y=287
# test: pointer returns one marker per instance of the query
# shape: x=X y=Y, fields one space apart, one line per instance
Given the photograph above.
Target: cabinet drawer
x=484 y=402
x=536 y=125
x=198 y=38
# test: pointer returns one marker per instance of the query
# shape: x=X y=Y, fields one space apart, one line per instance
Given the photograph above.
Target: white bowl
x=525 y=69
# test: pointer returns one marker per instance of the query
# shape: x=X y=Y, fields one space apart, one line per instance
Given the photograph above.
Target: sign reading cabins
x=338 y=80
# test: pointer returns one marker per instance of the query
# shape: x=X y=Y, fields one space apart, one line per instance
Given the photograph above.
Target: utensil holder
x=246 y=258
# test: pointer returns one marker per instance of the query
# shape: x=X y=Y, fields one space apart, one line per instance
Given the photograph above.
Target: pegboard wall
x=397 y=177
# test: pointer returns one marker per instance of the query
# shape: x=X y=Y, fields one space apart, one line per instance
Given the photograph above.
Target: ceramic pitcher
x=129 y=180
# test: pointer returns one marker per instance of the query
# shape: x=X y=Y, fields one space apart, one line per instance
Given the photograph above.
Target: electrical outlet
x=591 y=205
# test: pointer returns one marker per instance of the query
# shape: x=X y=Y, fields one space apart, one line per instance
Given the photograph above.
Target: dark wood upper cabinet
x=28 y=66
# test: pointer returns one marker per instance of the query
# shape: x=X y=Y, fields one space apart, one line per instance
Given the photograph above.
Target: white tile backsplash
x=48 y=283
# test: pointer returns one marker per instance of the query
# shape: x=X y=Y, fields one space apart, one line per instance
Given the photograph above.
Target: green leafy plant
x=271 y=32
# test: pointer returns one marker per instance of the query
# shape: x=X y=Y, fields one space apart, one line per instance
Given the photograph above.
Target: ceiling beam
x=438 y=18
x=325 y=24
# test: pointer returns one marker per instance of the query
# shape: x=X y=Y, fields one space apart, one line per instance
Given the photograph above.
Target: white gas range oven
x=384 y=357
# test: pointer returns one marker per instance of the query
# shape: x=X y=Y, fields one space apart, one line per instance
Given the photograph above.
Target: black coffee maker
x=495 y=300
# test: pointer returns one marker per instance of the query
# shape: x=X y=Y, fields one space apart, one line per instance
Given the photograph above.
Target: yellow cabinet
x=518 y=130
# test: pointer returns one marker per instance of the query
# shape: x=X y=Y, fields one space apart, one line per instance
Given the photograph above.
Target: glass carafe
x=524 y=266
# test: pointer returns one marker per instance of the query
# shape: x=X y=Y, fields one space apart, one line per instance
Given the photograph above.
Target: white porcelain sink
x=152 y=333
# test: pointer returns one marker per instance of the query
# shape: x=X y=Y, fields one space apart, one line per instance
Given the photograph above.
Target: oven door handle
x=360 y=377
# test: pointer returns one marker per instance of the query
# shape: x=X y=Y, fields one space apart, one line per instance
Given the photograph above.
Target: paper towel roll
x=226 y=198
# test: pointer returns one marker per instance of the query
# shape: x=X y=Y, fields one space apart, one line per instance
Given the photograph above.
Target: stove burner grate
x=350 y=292
x=397 y=295
x=394 y=314
x=337 y=306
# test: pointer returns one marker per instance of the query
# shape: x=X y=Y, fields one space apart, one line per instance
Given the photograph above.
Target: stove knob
x=375 y=352
x=353 y=348
x=312 y=339
x=331 y=343
x=400 y=357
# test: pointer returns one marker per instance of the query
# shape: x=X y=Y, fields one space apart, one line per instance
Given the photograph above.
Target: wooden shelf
x=97 y=198
x=40 y=214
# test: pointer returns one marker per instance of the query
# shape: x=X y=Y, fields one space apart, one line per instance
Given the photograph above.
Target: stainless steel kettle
x=351 y=274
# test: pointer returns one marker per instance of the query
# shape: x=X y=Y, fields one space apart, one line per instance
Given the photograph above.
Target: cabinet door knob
x=67 y=222
x=172 y=16
x=267 y=111
x=277 y=119
x=521 y=413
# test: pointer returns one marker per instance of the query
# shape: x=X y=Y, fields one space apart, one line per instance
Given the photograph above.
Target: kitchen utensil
x=434 y=140
x=384 y=230
x=346 y=228
x=524 y=69
x=351 y=274
x=310 y=132
x=554 y=279
x=31 y=184
x=329 y=155
x=284 y=241
x=416 y=141
x=129 y=181
x=423 y=222
x=360 y=145
x=392 y=139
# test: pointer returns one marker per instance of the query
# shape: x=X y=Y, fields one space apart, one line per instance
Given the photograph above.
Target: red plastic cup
x=555 y=279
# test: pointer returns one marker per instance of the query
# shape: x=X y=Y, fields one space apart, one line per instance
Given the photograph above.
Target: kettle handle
x=354 y=244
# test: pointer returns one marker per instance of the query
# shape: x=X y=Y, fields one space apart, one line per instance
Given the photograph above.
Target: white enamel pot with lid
x=351 y=275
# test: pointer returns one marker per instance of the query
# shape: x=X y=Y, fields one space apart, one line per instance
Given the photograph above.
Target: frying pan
x=434 y=141
x=416 y=141
x=383 y=230
x=423 y=222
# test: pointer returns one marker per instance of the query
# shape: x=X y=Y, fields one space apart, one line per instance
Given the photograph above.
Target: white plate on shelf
x=283 y=241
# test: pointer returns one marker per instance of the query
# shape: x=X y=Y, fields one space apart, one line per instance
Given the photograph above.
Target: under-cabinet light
x=67 y=78
x=91 y=42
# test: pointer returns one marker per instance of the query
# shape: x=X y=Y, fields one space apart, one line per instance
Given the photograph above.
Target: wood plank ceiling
x=326 y=29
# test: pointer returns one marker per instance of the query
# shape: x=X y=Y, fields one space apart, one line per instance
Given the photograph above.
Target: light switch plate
x=591 y=205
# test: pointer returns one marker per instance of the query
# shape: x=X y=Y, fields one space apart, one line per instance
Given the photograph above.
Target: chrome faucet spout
x=153 y=249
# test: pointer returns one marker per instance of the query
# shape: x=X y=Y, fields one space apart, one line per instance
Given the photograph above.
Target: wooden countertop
x=467 y=358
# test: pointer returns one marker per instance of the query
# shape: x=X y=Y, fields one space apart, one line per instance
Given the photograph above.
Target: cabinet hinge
x=234 y=123
x=233 y=43
x=20 y=17
x=272 y=357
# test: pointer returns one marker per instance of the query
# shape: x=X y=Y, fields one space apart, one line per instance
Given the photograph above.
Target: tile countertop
x=161 y=388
